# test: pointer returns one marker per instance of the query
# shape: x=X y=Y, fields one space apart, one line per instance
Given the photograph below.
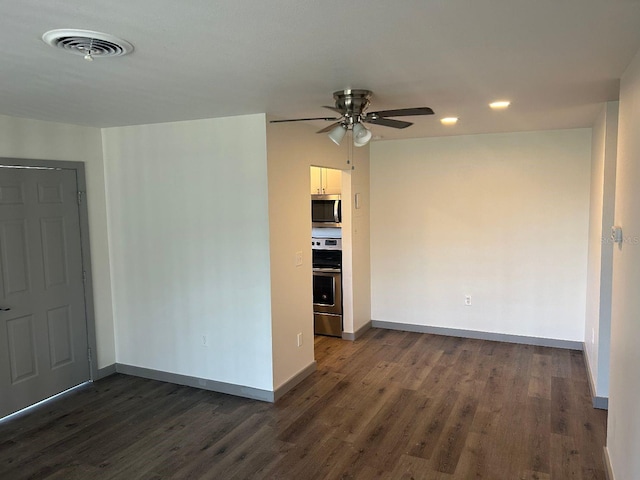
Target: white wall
x=600 y=256
x=34 y=139
x=189 y=236
x=594 y=255
x=357 y=258
x=502 y=217
x=292 y=149
x=623 y=435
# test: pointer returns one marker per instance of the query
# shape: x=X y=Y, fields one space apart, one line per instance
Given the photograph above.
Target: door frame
x=83 y=212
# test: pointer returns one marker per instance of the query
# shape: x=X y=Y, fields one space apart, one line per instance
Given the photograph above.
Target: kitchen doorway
x=326 y=248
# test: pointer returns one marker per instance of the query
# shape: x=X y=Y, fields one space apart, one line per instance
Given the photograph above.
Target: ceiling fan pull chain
x=351 y=150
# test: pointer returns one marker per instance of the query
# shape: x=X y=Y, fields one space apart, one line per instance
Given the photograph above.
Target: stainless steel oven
x=327 y=286
x=327 y=291
x=327 y=302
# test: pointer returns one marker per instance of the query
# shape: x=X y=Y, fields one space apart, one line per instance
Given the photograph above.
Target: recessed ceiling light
x=500 y=104
x=449 y=120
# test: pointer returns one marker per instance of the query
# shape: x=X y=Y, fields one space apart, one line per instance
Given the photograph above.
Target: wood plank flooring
x=392 y=405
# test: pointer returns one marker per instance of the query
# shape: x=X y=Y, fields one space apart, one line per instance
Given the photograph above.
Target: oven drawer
x=327 y=324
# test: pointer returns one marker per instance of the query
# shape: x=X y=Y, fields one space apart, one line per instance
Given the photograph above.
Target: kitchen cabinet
x=326 y=180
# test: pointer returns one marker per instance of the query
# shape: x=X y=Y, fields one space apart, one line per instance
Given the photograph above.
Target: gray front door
x=43 y=329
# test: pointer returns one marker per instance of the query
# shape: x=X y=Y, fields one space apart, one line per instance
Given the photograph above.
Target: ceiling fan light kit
x=352 y=106
x=361 y=135
x=337 y=134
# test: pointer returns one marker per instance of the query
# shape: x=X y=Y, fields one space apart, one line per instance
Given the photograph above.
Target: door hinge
x=80 y=195
x=89 y=353
x=84 y=276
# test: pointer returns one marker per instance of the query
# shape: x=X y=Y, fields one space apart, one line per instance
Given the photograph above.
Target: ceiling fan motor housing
x=352 y=102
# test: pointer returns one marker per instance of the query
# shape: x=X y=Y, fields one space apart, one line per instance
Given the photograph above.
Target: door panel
x=11 y=194
x=49 y=193
x=13 y=241
x=60 y=337
x=43 y=337
x=54 y=251
x=22 y=349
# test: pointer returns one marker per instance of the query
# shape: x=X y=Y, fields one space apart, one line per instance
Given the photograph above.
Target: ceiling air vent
x=87 y=43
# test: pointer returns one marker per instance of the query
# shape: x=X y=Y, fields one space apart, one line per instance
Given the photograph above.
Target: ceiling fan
x=352 y=106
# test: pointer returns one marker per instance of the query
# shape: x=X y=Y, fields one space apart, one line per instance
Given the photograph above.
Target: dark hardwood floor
x=391 y=405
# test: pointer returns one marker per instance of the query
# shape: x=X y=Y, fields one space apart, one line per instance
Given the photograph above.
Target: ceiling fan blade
x=388 y=122
x=329 y=128
x=402 y=112
x=334 y=109
x=329 y=119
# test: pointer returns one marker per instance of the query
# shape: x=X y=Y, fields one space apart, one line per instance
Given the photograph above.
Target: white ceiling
x=557 y=60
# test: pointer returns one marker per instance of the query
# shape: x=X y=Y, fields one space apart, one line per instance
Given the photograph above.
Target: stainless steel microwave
x=326 y=211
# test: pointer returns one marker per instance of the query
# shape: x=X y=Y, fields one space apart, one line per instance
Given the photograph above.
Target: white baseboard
x=293 y=381
x=203 y=383
x=358 y=333
x=601 y=403
x=105 y=372
x=496 y=337
x=206 y=384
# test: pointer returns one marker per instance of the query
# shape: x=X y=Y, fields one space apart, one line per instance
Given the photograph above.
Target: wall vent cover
x=86 y=42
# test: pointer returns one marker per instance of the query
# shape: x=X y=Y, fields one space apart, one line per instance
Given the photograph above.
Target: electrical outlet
x=205 y=341
x=467 y=300
x=300 y=339
x=298 y=259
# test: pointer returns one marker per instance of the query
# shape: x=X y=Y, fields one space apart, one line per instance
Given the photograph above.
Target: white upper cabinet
x=326 y=181
x=332 y=183
x=316 y=180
